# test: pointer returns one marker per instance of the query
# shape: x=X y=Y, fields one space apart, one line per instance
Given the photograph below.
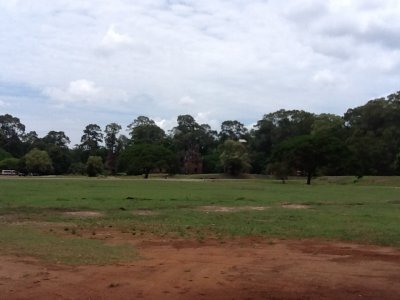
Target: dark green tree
x=11 y=131
x=111 y=140
x=232 y=130
x=91 y=139
x=56 y=145
x=143 y=159
x=374 y=135
x=307 y=153
x=145 y=130
x=273 y=129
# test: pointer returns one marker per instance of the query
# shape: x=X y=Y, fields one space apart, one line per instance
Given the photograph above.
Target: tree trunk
x=309 y=175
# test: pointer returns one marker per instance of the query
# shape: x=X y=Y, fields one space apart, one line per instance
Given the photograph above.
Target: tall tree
x=56 y=145
x=273 y=129
x=307 y=153
x=11 y=131
x=57 y=138
x=111 y=141
x=233 y=130
x=374 y=135
x=192 y=142
x=91 y=138
x=144 y=158
x=145 y=130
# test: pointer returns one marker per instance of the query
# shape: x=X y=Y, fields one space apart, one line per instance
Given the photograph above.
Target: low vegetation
x=35 y=212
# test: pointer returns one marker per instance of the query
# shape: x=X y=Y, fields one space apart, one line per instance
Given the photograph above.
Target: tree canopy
x=363 y=141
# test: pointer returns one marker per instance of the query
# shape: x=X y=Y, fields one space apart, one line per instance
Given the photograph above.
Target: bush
x=38 y=161
x=94 y=166
x=9 y=164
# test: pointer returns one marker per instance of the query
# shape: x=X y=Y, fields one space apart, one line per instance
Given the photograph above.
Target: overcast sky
x=67 y=63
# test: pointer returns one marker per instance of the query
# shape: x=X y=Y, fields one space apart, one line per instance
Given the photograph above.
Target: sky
x=65 y=64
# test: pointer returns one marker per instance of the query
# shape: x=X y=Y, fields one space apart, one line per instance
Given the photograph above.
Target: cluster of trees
x=364 y=141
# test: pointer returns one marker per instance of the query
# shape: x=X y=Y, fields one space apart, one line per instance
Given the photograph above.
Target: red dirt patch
x=212 y=208
x=243 y=268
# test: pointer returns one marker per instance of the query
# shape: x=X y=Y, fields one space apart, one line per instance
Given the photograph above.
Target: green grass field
x=367 y=211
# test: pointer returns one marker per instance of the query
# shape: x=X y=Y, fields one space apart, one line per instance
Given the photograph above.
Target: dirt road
x=235 y=269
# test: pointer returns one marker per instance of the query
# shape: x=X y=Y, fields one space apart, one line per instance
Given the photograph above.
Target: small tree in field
x=38 y=161
x=94 y=166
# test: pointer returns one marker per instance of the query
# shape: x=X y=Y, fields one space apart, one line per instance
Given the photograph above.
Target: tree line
x=364 y=141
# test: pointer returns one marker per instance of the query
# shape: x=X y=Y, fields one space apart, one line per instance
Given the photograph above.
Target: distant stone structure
x=192 y=162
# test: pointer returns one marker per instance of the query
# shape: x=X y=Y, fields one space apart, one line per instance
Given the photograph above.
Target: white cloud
x=186 y=100
x=324 y=77
x=84 y=91
x=113 y=40
x=214 y=59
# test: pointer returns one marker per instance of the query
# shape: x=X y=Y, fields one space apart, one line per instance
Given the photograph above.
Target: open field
x=193 y=238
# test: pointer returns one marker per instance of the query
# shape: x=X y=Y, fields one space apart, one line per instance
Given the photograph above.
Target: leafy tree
x=56 y=145
x=306 y=153
x=374 y=135
x=38 y=161
x=94 y=166
x=145 y=158
x=112 y=145
x=91 y=138
x=10 y=163
x=4 y=154
x=234 y=157
x=145 y=130
x=193 y=141
x=329 y=124
x=273 y=129
x=56 y=138
x=232 y=130
x=11 y=130
x=30 y=140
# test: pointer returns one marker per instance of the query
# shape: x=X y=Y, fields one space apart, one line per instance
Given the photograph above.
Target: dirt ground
x=243 y=268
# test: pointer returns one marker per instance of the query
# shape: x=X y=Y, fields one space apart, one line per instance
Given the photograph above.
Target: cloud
x=324 y=77
x=113 y=40
x=84 y=91
x=186 y=100
x=214 y=59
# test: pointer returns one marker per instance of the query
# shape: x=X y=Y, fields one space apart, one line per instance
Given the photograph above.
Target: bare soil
x=84 y=214
x=144 y=212
x=213 y=208
x=295 y=206
x=242 y=268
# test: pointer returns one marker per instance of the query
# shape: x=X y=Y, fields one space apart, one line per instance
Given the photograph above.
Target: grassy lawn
x=335 y=208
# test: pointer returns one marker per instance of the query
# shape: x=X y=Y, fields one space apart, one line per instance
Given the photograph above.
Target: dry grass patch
x=295 y=206
x=144 y=212
x=84 y=214
x=228 y=209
